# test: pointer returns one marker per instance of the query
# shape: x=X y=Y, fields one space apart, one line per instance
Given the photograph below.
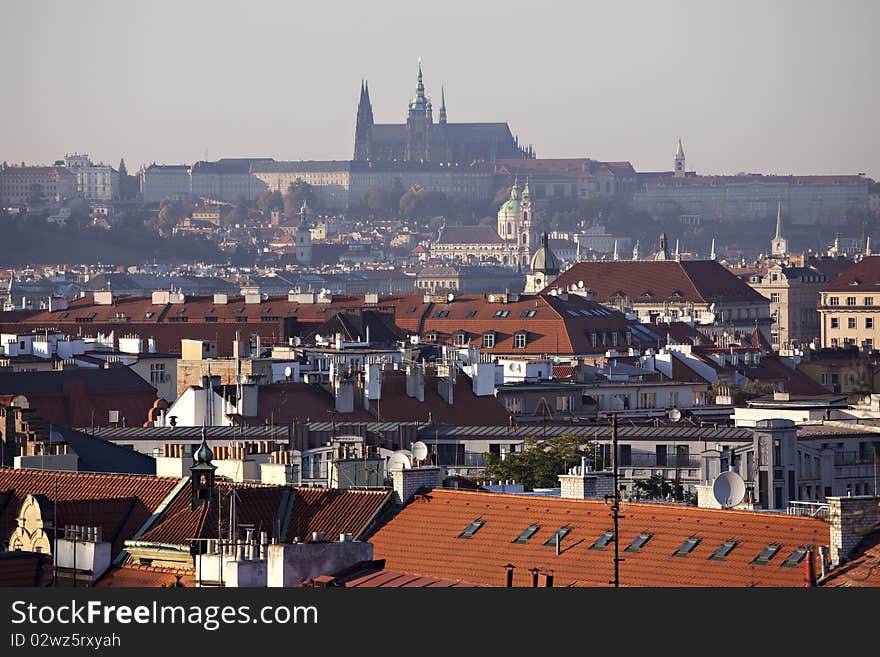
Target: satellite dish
x=288 y=372
x=580 y=285
x=729 y=489
x=400 y=460
x=450 y=297
x=491 y=298
x=55 y=437
x=675 y=415
x=420 y=451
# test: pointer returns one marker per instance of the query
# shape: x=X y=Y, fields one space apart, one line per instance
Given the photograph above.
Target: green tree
x=419 y=203
x=237 y=215
x=541 y=461
x=269 y=200
x=297 y=192
x=379 y=200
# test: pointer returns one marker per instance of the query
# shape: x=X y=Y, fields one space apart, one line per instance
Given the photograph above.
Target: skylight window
x=638 y=543
x=149 y=315
x=91 y=315
x=687 y=547
x=562 y=532
x=526 y=534
x=239 y=310
x=795 y=558
x=441 y=313
x=766 y=554
x=723 y=550
x=501 y=313
x=472 y=313
x=411 y=309
x=527 y=313
x=603 y=540
x=182 y=310
x=472 y=528
x=267 y=309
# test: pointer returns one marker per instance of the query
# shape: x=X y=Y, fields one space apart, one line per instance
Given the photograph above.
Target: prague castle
x=422 y=140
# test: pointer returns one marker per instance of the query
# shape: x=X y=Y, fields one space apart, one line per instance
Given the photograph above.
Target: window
x=835 y=322
x=563 y=403
x=561 y=533
x=157 y=373
x=869 y=301
x=148 y=315
x=472 y=313
x=501 y=313
x=527 y=313
x=869 y=322
x=833 y=301
x=411 y=309
x=774 y=297
x=441 y=313
x=472 y=528
x=488 y=340
x=460 y=339
x=687 y=547
x=850 y=322
x=519 y=341
x=638 y=543
x=723 y=550
x=850 y=301
x=603 y=540
x=766 y=554
x=526 y=534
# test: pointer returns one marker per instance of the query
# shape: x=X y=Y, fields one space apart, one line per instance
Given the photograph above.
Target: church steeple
x=679 y=170
x=442 y=118
x=363 y=125
x=779 y=245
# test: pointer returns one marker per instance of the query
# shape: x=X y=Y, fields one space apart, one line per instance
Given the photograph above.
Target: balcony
x=811 y=509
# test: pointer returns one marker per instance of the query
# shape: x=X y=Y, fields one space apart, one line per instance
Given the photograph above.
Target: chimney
x=343 y=392
x=508 y=576
x=535 y=572
x=415 y=381
x=548 y=580
x=823 y=561
x=810 y=574
x=850 y=519
x=406 y=482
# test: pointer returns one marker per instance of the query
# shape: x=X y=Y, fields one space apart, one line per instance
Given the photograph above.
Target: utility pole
x=615 y=502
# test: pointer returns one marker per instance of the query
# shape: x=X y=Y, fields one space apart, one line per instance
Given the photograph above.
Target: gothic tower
x=364 y=125
x=679 y=161
x=418 y=125
x=779 y=245
x=528 y=225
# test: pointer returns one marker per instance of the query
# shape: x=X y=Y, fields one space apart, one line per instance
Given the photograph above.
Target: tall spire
x=679 y=169
x=712 y=251
x=677 y=253
x=442 y=105
x=525 y=191
x=868 y=246
x=616 y=255
x=779 y=221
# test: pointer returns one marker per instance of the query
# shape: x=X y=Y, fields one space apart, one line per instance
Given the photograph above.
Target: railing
x=852 y=458
x=812 y=509
x=651 y=461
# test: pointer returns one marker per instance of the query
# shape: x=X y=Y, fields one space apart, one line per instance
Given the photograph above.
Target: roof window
x=766 y=554
x=638 y=543
x=723 y=550
x=687 y=547
x=603 y=540
x=526 y=534
x=472 y=528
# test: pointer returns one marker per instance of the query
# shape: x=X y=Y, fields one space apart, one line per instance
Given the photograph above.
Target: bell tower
x=202 y=474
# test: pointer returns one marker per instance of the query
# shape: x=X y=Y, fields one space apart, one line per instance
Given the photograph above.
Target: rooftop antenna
x=728 y=489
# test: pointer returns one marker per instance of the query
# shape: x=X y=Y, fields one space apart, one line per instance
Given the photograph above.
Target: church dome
x=203 y=453
x=544 y=259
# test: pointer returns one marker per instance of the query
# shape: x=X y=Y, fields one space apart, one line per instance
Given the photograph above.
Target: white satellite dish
x=580 y=285
x=675 y=415
x=288 y=372
x=491 y=298
x=400 y=460
x=420 y=451
x=729 y=489
x=450 y=297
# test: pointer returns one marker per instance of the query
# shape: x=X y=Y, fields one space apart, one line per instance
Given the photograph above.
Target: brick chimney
x=581 y=483
x=407 y=481
x=850 y=520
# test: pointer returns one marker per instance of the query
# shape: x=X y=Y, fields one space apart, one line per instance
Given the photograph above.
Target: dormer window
x=460 y=339
x=489 y=340
x=519 y=340
x=430 y=337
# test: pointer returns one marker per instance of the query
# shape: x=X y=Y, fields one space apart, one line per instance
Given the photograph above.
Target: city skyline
x=611 y=83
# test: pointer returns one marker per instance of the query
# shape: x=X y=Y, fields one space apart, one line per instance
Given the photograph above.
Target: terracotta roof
x=24 y=568
x=863 y=570
x=138 y=576
x=424 y=539
x=861 y=277
x=645 y=281
x=119 y=504
x=334 y=512
x=373 y=574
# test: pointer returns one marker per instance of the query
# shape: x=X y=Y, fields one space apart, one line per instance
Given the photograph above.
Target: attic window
x=411 y=309
x=430 y=337
x=562 y=532
x=766 y=554
x=239 y=310
x=526 y=534
x=267 y=309
x=501 y=313
x=676 y=294
x=65 y=315
x=91 y=316
x=472 y=313
x=209 y=310
x=603 y=540
x=527 y=313
x=795 y=558
x=441 y=313
x=638 y=543
x=723 y=550
x=647 y=294
x=290 y=310
x=687 y=547
x=472 y=528
x=182 y=310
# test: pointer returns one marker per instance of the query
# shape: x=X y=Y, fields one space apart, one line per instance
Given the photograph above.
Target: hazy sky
x=777 y=87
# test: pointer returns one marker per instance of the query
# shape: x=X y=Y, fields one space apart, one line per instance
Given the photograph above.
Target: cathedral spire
x=712 y=250
x=779 y=245
x=677 y=255
x=616 y=255
x=779 y=221
x=442 y=105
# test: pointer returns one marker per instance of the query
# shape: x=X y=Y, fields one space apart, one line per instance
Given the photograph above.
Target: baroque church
x=422 y=140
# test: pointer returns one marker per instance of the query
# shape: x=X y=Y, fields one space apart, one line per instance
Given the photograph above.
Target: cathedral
x=422 y=140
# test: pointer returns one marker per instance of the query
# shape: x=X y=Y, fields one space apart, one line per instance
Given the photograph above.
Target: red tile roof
x=24 y=569
x=139 y=576
x=862 y=277
x=119 y=504
x=862 y=570
x=373 y=574
x=423 y=539
x=334 y=512
x=646 y=281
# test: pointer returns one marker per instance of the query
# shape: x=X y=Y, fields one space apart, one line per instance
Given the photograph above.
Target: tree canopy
x=420 y=203
x=269 y=200
x=541 y=461
x=296 y=193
